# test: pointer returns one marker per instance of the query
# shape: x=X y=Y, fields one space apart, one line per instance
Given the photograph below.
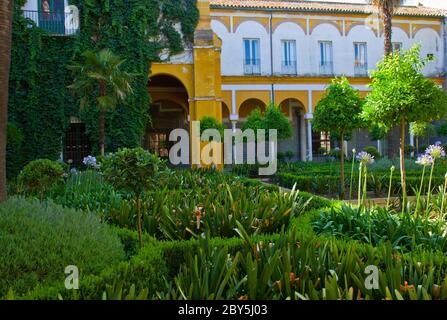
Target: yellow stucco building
x=249 y=53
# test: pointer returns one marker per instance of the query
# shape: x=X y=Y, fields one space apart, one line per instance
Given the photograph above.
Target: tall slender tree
x=387 y=9
x=338 y=112
x=401 y=95
x=6 y=7
x=101 y=73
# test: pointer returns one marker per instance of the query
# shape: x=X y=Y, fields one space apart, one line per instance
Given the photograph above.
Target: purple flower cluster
x=432 y=153
x=425 y=160
x=436 y=151
x=90 y=162
x=365 y=158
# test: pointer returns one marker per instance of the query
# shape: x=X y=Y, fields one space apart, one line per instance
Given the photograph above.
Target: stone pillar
x=303 y=138
x=308 y=118
x=207 y=100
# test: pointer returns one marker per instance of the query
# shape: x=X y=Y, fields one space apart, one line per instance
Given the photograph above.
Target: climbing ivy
x=41 y=104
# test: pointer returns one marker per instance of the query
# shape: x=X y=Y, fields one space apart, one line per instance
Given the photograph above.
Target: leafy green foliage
x=400 y=92
x=338 y=112
x=372 y=151
x=38 y=176
x=131 y=170
x=40 y=103
x=272 y=119
x=14 y=137
x=39 y=240
x=403 y=231
x=377 y=133
x=211 y=123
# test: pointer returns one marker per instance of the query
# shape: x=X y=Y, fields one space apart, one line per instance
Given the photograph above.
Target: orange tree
x=338 y=112
x=401 y=95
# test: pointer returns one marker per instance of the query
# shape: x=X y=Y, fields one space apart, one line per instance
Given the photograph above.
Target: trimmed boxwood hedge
x=329 y=184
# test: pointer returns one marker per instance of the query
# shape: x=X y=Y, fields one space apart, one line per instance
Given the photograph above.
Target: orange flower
x=244 y=297
x=293 y=279
x=406 y=287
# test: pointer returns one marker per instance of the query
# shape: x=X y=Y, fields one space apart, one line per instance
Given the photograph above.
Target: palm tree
x=101 y=72
x=5 y=62
x=387 y=8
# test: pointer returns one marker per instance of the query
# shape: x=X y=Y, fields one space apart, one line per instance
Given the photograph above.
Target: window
x=397 y=46
x=252 y=63
x=326 y=62
x=288 y=57
x=361 y=59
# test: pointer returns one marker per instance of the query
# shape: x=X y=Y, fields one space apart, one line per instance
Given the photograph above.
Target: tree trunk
x=342 y=167
x=102 y=119
x=139 y=224
x=388 y=29
x=102 y=128
x=5 y=62
x=387 y=18
x=402 y=163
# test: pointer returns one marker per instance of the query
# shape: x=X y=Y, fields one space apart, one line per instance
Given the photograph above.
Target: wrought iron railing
x=360 y=69
x=55 y=22
x=327 y=68
x=252 y=66
x=288 y=68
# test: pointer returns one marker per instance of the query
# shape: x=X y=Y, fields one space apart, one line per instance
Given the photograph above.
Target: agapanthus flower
x=436 y=151
x=90 y=161
x=425 y=160
x=365 y=158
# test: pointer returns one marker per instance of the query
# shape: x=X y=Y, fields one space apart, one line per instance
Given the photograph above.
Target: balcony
x=55 y=22
x=361 y=70
x=288 y=68
x=252 y=66
x=327 y=68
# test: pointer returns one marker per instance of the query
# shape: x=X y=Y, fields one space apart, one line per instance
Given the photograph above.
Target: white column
x=303 y=140
x=234 y=119
x=308 y=118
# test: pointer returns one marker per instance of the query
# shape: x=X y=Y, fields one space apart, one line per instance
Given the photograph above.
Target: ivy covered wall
x=40 y=103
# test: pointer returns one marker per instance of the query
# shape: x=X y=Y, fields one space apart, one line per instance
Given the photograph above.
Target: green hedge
x=39 y=240
x=329 y=184
x=156 y=266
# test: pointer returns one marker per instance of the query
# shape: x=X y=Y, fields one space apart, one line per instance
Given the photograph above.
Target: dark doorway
x=77 y=144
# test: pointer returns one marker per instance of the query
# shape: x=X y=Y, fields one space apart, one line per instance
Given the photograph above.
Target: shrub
x=132 y=170
x=38 y=240
x=13 y=147
x=378 y=225
x=38 y=176
x=409 y=149
x=211 y=123
x=373 y=151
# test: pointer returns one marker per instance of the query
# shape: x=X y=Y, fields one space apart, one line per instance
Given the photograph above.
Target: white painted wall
x=308 y=53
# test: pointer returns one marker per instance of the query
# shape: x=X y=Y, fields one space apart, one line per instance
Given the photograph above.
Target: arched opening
x=168 y=110
x=294 y=148
x=248 y=106
x=225 y=115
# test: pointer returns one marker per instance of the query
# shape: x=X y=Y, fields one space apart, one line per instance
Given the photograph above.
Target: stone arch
x=238 y=22
x=315 y=24
x=169 y=110
x=249 y=105
x=297 y=144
